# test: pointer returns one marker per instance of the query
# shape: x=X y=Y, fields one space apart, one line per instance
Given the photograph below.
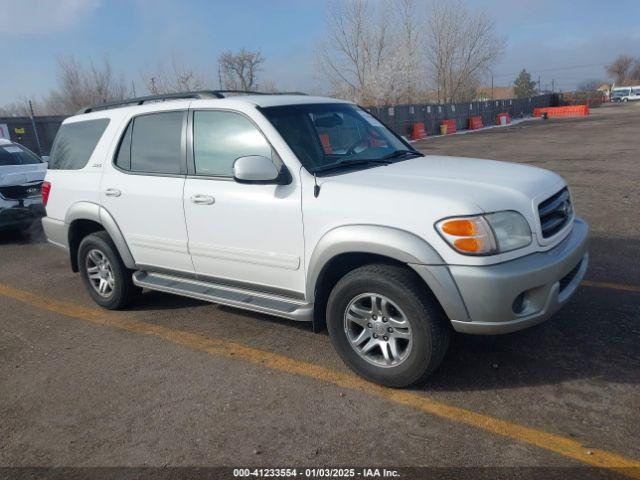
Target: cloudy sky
x=567 y=41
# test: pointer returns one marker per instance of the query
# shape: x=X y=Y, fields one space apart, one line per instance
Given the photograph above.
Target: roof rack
x=199 y=95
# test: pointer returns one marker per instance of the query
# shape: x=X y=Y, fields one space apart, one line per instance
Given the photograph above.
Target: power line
x=559 y=69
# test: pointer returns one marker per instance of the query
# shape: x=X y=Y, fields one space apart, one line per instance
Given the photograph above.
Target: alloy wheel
x=99 y=272
x=378 y=330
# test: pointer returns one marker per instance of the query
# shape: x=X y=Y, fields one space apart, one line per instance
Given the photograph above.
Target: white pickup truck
x=309 y=208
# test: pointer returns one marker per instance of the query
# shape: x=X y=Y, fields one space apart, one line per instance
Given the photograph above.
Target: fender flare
x=390 y=242
x=97 y=213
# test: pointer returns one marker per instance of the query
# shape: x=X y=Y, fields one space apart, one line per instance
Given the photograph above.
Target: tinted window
x=123 y=159
x=219 y=138
x=75 y=143
x=13 y=154
x=156 y=141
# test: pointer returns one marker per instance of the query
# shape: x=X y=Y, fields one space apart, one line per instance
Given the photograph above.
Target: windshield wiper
x=401 y=153
x=352 y=163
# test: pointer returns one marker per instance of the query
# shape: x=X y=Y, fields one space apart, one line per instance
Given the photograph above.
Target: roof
x=499 y=93
x=184 y=103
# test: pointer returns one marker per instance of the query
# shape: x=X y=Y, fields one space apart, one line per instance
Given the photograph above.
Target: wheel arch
x=345 y=248
x=85 y=218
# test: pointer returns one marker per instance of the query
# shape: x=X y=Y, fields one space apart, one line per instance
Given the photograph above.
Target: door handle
x=203 y=199
x=112 y=192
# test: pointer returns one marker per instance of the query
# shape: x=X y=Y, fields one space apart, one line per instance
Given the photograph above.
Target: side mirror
x=45 y=158
x=255 y=169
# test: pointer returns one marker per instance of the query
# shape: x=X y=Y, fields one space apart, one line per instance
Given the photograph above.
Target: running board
x=225 y=295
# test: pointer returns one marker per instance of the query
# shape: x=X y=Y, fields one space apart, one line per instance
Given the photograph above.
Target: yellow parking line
x=223 y=348
x=611 y=286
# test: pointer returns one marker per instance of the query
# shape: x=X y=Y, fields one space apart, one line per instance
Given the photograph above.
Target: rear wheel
x=385 y=326
x=103 y=273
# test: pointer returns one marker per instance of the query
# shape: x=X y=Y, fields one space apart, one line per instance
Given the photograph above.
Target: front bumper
x=547 y=279
x=20 y=213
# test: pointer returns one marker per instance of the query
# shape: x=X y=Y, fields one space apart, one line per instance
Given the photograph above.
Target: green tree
x=523 y=85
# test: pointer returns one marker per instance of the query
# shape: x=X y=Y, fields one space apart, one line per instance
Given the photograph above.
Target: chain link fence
x=400 y=118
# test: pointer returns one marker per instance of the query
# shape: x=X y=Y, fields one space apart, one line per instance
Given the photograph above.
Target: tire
x=120 y=290
x=625 y=100
x=406 y=299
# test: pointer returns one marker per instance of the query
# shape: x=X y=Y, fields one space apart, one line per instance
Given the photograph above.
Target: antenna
x=316 y=187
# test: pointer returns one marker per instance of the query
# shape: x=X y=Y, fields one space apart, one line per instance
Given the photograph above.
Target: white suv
x=309 y=208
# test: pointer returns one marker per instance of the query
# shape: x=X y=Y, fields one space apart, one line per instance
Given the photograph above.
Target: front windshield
x=342 y=135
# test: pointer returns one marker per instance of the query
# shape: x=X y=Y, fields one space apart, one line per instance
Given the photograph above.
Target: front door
x=143 y=190
x=240 y=234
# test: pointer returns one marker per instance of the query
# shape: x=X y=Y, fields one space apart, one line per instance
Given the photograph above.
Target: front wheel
x=386 y=326
x=103 y=273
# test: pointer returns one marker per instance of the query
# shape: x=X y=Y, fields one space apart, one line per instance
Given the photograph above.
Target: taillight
x=46 y=189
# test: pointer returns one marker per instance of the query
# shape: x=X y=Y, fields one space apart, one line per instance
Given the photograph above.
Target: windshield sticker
x=12 y=149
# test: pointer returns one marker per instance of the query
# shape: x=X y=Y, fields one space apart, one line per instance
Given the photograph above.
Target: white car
x=310 y=209
x=625 y=94
x=21 y=176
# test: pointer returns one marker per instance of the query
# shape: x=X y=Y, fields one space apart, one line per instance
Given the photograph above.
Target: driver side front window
x=221 y=137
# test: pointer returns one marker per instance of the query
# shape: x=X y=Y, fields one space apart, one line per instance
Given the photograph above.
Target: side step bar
x=225 y=295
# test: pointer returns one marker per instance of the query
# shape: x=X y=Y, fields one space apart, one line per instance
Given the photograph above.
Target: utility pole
x=219 y=77
x=133 y=88
x=539 y=86
x=35 y=130
x=492 y=86
x=553 y=85
x=153 y=85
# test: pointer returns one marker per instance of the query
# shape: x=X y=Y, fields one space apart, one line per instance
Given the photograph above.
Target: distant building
x=605 y=89
x=499 y=93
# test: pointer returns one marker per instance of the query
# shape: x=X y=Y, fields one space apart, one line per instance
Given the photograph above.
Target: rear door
x=142 y=188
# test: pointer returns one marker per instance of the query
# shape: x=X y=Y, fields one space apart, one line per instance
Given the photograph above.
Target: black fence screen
x=20 y=130
x=400 y=118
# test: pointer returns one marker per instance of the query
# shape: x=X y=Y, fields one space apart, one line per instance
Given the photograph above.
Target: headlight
x=486 y=234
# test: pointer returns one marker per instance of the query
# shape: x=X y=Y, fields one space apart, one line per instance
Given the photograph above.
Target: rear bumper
x=547 y=280
x=20 y=213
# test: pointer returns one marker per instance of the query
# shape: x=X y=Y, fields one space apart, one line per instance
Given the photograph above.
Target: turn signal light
x=469 y=244
x=468 y=235
x=459 y=227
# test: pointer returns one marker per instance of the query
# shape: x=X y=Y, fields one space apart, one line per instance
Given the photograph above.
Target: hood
x=21 y=174
x=482 y=185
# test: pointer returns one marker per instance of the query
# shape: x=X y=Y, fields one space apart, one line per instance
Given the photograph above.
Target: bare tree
x=370 y=54
x=622 y=69
x=461 y=46
x=19 y=108
x=80 y=85
x=590 y=85
x=175 y=77
x=238 y=71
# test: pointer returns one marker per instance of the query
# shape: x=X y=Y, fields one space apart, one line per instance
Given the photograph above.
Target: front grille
x=16 y=192
x=555 y=212
x=567 y=279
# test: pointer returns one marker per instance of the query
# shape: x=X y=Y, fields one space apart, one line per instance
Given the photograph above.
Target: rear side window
x=17 y=155
x=152 y=143
x=75 y=143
